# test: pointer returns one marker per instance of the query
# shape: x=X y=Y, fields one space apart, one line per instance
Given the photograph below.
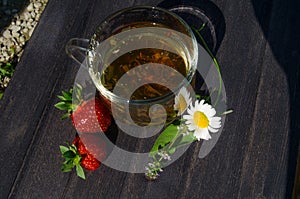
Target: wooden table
x=255 y=156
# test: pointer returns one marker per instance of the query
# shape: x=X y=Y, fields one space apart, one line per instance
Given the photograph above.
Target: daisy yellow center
x=181 y=103
x=200 y=119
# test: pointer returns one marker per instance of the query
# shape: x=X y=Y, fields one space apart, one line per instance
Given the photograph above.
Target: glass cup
x=138 y=59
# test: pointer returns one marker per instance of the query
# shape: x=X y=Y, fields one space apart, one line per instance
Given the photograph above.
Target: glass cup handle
x=76 y=49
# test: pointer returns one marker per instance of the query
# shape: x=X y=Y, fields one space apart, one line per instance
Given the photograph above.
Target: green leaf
x=63 y=149
x=172 y=150
x=73 y=148
x=67 y=95
x=61 y=97
x=77 y=160
x=164 y=138
x=2 y=71
x=80 y=172
x=63 y=106
x=65 y=116
x=67 y=167
x=187 y=139
x=12 y=50
x=69 y=154
x=1 y=95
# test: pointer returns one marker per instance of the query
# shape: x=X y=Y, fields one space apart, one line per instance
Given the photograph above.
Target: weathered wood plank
x=276 y=102
x=255 y=155
x=46 y=66
x=41 y=166
x=27 y=98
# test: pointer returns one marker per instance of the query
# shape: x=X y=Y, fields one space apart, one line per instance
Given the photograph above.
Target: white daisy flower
x=182 y=101
x=201 y=119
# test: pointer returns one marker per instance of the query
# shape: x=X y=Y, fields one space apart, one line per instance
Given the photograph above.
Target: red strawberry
x=89 y=116
x=86 y=152
x=91 y=145
x=89 y=162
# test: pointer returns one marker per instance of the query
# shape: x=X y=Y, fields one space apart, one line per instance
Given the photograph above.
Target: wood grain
x=254 y=157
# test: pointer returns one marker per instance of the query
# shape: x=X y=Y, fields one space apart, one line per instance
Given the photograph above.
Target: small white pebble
x=10 y=43
x=18 y=48
x=22 y=39
x=5 y=54
x=33 y=15
x=38 y=15
x=6 y=34
x=30 y=7
x=27 y=16
x=37 y=4
x=30 y=32
x=23 y=24
x=15 y=28
x=15 y=35
x=6 y=81
x=34 y=23
x=25 y=30
x=26 y=35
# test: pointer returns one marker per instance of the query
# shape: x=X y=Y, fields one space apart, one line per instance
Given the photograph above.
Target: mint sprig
x=173 y=137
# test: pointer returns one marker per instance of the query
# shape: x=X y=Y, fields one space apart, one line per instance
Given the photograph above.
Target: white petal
x=212 y=112
x=189 y=101
x=207 y=106
x=201 y=102
x=215 y=119
x=187 y=117
x=191 y=128
x=189 y=111
x=215 y=124
x=213 y=130
x=188 y=122
x=202 y=133
x=205 y=110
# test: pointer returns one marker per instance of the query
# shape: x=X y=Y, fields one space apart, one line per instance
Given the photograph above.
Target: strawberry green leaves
x=80 y=172
x=68 y=103
x=72 y=159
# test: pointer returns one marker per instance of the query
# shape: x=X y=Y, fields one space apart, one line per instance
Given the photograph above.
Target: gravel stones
x=15 y=36
x=20 y=30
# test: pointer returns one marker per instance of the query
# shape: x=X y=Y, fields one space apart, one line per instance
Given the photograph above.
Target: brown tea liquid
x=139 y=57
